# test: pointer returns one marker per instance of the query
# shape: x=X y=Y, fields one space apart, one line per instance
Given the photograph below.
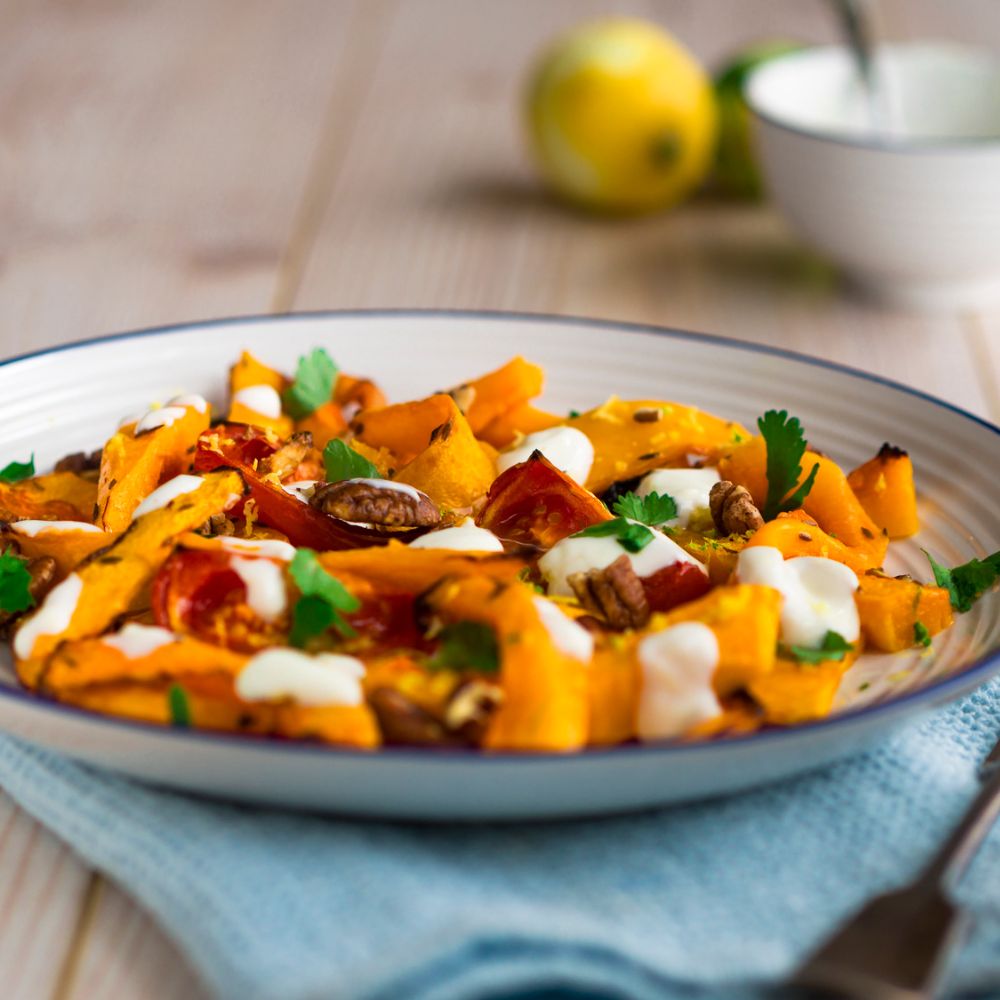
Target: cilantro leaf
x=921 y=637
x=654 y=508
x=180 y=710
x=966 y=583
x=833 y=647
x=786 y=444
x=323 y=599
x=14 y=472
x=631 y=537
x=315 y=377
x=573 y=414
x=467 y=645
x=15 y=584
x=343 y=462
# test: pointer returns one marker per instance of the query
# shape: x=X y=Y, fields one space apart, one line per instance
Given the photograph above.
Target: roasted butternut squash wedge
x=884 y=487
x=614 y=685
x=891 y=609
x=58 y=496
x=68 y=548
x=793 y=692
x=508 y=427
x=405 y=428
x=133 y=465
x=501 y=392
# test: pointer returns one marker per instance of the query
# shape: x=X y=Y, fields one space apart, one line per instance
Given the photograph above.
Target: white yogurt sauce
x=273 y=548
x=391 y=484
x=579 y=555
x=31 y=528
x=818 y=594
x=52 y=617
x=136 y=641
x=677 y=666
x=170 y=490
x=301 y=489
x=566 y=635
x=326 y=679
x=163 y=417
x=262 y=399
x=466 y=536
x=568 y=449
x=689 y=488
x=267 y=594
x=191 y=399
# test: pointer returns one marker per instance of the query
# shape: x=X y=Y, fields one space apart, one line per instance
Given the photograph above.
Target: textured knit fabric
x=709 y=901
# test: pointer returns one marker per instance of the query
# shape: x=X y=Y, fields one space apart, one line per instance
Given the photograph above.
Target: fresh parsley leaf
x=966 y=583
x=921 y=637
x=467 y=645
x=315 y=377
x=343 y=462
x=323 y=600
x=14 y=472
x=573 y=414
x=631 y=537
x=15 y=584
x=654 y=508
x=786 y=444
x=180 y=710
x=833 y=647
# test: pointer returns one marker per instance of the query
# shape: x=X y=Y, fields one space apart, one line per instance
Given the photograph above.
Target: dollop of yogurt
x=267 y=594
x=136 y=641
x=274 y=548
x=466 y=536
x=163 y=417
x=301 y=489
x=688 y=487
x=52 y=617
x=567 y=636
x=191 y=399
x=262 y=399
x=31 y=528
x=568 y=449
x=325 y=679
x=580 y=555
x=818 y=594
x=170 y=490
x=676 y=693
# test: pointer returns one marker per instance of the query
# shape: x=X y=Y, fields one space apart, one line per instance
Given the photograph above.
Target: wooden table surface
x=169 y=161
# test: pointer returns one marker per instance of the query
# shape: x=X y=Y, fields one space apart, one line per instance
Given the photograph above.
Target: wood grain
x=168 y=161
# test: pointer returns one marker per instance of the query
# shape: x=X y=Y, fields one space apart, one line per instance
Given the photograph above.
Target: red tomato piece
x=673 y=585
x=533 y=503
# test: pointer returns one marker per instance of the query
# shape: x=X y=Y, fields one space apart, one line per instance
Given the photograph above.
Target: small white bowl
x=911 y=213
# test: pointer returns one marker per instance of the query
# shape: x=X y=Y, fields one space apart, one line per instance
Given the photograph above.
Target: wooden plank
x=42 y=885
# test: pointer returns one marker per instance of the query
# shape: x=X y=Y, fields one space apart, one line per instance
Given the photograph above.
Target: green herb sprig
x=467 y=646
x=15 y=584
x=343 y=462
x=315 y=378
x=631 y=537
x=323 y=603
x=833 y=647
x=14 y=472
x=653 y=509
x=966 y=583
x=786 y=444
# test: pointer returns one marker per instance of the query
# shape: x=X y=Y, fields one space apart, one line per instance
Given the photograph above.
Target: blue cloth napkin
x=711 y=900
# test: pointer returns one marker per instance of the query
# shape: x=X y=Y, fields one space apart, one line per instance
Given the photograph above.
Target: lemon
x=736 y=170
x=622 y=118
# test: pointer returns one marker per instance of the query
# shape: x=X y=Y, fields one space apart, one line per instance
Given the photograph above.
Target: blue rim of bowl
x=963 y=681
x=947 y=145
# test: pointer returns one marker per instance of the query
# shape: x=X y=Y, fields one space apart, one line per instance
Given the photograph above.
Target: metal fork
x=897 y=945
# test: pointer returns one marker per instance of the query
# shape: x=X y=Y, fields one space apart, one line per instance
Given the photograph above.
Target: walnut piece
x=615 y=593
x=733 y=509
x=217 y=524
x=372 y=504
x=288 y=457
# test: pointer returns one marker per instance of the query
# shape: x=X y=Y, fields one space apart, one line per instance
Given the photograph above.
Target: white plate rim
x=932 y=695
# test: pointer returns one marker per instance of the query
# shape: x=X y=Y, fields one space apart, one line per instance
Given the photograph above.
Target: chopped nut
x=647 y=415
x=403 y=722
x=614 y=592
x=733 y=509
x=464 y=396
x=805 y=536
x=79 y=461
x=371 y=504
x=470 y=707
x=288 y=457
x=217 y=524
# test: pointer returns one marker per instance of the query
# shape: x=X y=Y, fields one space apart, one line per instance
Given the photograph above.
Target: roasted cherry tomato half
x=533 y=503
x=673 y=585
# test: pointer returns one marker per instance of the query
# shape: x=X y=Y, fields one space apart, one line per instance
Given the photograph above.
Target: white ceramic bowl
x=911 y=210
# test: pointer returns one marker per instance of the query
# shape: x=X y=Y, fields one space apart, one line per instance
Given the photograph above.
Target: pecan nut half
x=733 y=509
x=79 y=461
x=470 y=707
x=615 y=592
x=373 y=501
x=404 y=723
